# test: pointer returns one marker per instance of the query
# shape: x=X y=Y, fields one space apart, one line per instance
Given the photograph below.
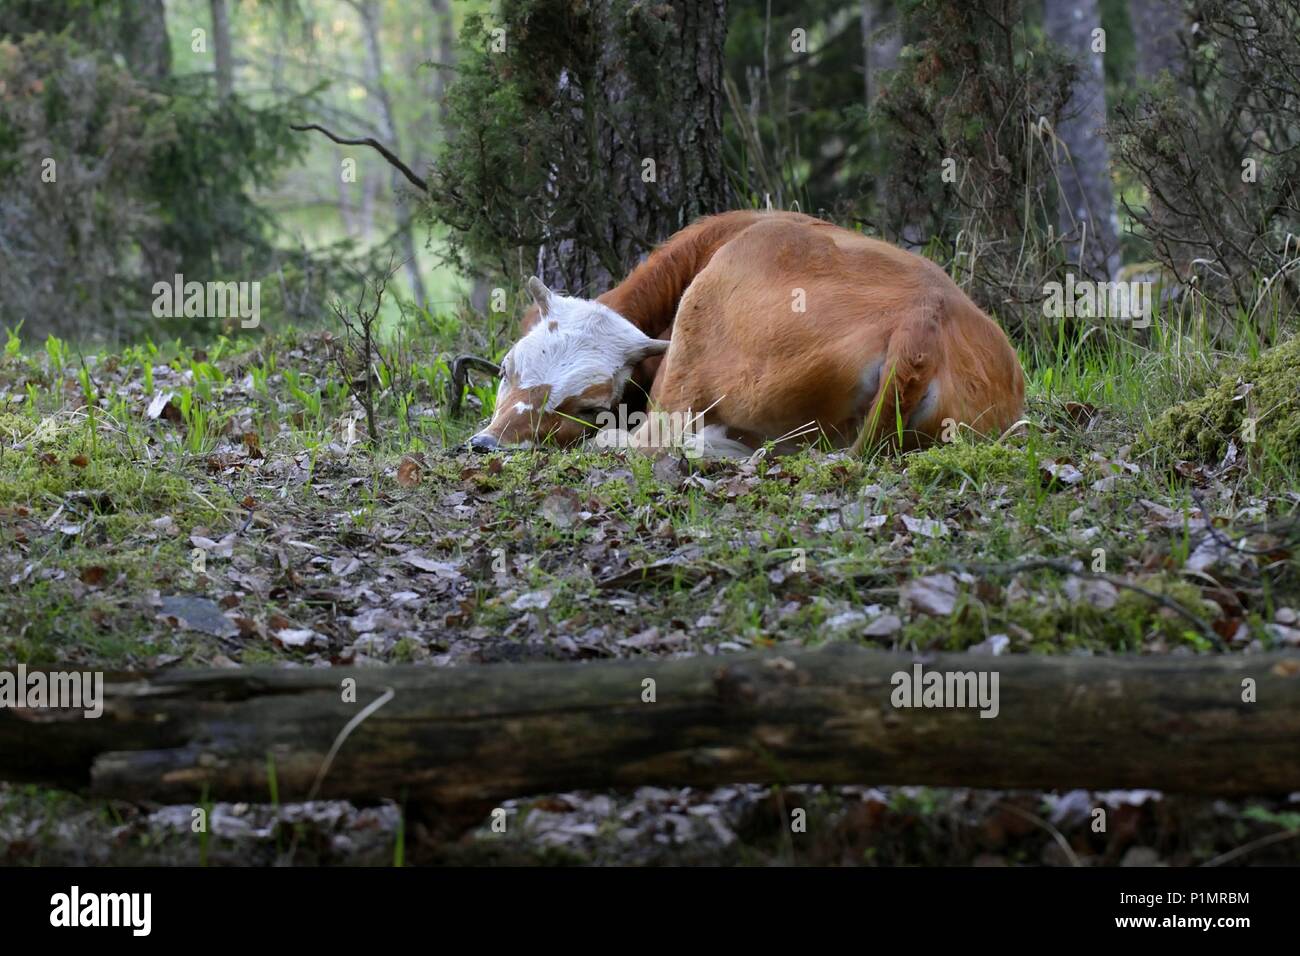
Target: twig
x=373 y=143
x=1040 y=822
x=1236 y=546
x=459 y=373
x=1068 y=567
x=346 y=732
x=1252 y=846
x=343 y=735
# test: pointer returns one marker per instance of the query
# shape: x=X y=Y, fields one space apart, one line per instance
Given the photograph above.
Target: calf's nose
x=483 y=442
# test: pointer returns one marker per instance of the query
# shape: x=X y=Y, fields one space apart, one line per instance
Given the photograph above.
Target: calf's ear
x=645 y=348
x=541 y=295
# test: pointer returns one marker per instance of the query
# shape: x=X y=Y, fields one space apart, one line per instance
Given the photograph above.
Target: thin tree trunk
x=221 y=48
x=880 y=49
x=347 y=210
x=446 y=55
x=369 y=187
x=1086 y=212
x=1158 y=27
x=648 y=151
x=370 y=14
x=880 y=45
x=1157 y=31
x=144 y=41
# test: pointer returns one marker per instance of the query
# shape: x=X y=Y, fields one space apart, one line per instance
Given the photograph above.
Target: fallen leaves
x=651 y=639
x=856 y=516
x=1097 y=592
x=561 y=507
x=886 y=625
x=299 y=637
x=252 y=443
x=1061 y=471
x=161 y=401
x=217 y=549
x=447 y=570
x=933 y=594
x=343 y=565
x=1082 y=414
x=925 y=527
x=532 y=601
x=93 y=575
x=187 y=612
x=411 y=471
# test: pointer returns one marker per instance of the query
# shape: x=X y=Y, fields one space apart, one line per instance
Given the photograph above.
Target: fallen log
x=459 y=736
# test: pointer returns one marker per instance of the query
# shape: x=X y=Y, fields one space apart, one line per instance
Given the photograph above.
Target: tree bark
x=446 y=55
x=1086 y=212
x=460 y=736
x=880 y=46
x=626 y=113
x=221 y=48
x=880 y=49
x=1157 y=31
x=142 y=34
x=370 y=14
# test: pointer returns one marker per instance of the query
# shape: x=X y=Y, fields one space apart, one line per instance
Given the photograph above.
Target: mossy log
x=1255 y=403
x=461 y=736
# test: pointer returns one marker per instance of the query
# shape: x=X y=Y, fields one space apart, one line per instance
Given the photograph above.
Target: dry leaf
x=926 y=527
x=443 y=569
x=160 y=401
x=561 y=507
x=934 y=594
x=1062 y=471
x=409 y=472
x=532 y=600
x=298 y=637
x=93 y=575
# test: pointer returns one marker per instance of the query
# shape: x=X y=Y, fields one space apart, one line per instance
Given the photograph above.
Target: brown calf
x=780 y=324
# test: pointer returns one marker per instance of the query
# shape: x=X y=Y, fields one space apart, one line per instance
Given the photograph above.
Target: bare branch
x=373 y=143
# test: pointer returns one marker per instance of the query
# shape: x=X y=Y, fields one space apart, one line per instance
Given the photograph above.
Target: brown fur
x=562 y=426
x=738 y=338
x=723 y=290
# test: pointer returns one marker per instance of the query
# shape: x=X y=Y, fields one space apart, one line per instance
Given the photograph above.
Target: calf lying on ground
x=781 y=325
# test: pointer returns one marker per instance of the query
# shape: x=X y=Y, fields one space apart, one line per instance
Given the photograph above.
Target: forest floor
x=165 y=508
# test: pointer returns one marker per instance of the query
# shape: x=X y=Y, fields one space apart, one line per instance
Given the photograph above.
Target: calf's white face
x=572 y=365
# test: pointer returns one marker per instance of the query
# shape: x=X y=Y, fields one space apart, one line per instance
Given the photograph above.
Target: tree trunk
x=221 y=48
x=645 y=139
x=880 y=46
x=1157 y=31
x=457 y=736
x=446 y=55
x=370 y=13
x=142 y=34
x=1086 y=212
x=880 y=49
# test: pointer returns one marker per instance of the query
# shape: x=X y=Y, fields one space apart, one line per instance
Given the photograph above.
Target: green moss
x=1265 y=390
x=1055 y=623
x=952 y=463
x=43 y=471
x=109 y=485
